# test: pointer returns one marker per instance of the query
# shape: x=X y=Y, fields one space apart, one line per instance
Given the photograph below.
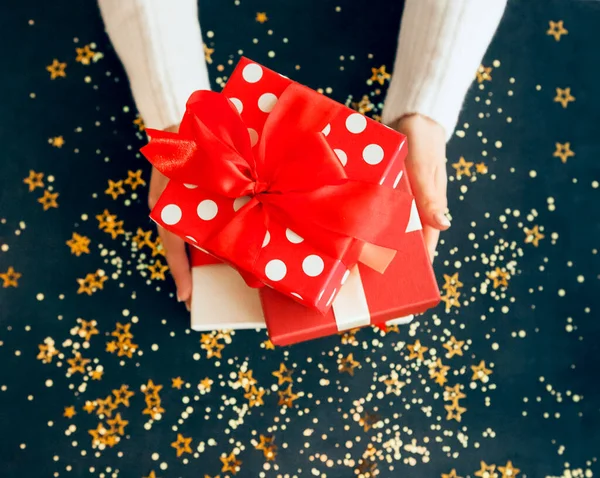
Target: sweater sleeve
x=441 y=45
x=160 y=45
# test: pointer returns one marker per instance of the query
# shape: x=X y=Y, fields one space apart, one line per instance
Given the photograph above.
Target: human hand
x=174 y=247
x=426 y=169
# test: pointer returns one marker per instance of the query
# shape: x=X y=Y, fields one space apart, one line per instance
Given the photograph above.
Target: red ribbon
x=292 y=176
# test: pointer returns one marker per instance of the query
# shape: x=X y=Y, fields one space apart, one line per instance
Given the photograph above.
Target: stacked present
x=298 y=209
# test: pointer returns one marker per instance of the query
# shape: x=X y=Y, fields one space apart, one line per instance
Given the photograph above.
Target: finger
x=429 y=181
x=179 y=264
x=431 y=236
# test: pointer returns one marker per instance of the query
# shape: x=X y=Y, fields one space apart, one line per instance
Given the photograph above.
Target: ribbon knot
x=294 y=175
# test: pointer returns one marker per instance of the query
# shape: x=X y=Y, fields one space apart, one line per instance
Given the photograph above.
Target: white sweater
x=440 y=47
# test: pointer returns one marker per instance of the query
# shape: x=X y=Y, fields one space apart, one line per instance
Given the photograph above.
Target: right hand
x=174 y=246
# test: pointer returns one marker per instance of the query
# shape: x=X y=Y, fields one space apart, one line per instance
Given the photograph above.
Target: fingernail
x=441 y=219
x=179 y=299
x=187 y=306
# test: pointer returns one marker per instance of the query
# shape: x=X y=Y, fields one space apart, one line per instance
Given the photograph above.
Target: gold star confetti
x=556 y=29
x=455 y=411
x=48 y=200
x=481 y=168
x=47 y=351
x=268 y=345
x=416 y=350
x=380 y=75
x=392 y=383
x=115 y=189
x=462 y=167
x=255 y=396
x=453 y=394
x=134 y=179
x=480 y=372
x=151 y=475
x=139 y=122
x=438 y=371
x=34 y=180
x=368 y=420
x=57 y=69
x=230 y=463
x=364 y=105
x=287 y=397
x=84 y=55
x=208 y=54
x=69 y=412
x=10 y=278
x=79 y=244
x=117 y=425
x=487 y=471
x=122 y=395
x=451 y=300
x=205 y=384
x=533 y=235
x=157 y=270
x=77 y=363
x=182 y=445
x=563 y=151
x=347 y=364
x=268 y=448
x=483 y=73
x=177 y=383
x=142 y=238
x=451 y=282
x=86 y=329
x=91 y=283
x=213 y=348
x=261 y=17
x=452 y=474
x=499 y=277
x=57 y=141
x=453 y=346
x=157 y=247
x=563 y=96
x=508 y=470
x=90 y=406
x=283 y=374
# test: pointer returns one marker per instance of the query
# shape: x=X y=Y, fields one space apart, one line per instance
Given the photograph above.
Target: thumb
x=429 y=183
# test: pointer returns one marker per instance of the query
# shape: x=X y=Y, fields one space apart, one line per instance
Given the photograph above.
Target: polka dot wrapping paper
x=309 y=277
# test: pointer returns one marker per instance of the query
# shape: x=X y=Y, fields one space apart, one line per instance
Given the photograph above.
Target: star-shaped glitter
x=230 y=463
x=533 y=235
x=393 y=384
x=157 y=270
x=563 y=96
x=283 y=374
x=347 y=364
x=452 y=474
x=556 y=29
x=453 y=346
x=245 y=378
x=122 y=331
x=34 y=180
x=364 y=105
x=563 y=151
x=10 y=278
x=105 y=219
x=105 y=407
x=483 y=73
x=462 y=167
x=96 y=374
x=213 y=349
x=157 y=247
x=481 y=168
x=151 y=475
x=453 y=394
x=208 y=54
x=117 y=424
x=205 y=384
x=126 y=348
x=450 y=299
x=77 y=363
x=139 y=122
x=115 y=188
x=268 y=345
x=438 y=371
x=151 y=389
x=86 y=329
x=416 y=350
x=499 y=277
x=122 y=395
x=261 y=17
x=69 y=412
x=255 y=396
x=57 y=141
x=134 y=179
x=56 y=69
x=368 y=420
x=508 y=470
x=455 y=411
x=265 y=441
x=287 y=397
x=486 y=471
x=380 y=75
x=451 y=282
x=98 y=435
x=90 y=406
x=79 y=244
x=48 y=200
x=480 y=372
x=142 y=238
x=84 y=55
x=182 y=445
x=349 y=337
x=177 y=383
x=90 y=283
x=47 y=351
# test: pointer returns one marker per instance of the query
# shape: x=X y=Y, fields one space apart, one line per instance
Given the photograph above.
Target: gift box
x=294 y=190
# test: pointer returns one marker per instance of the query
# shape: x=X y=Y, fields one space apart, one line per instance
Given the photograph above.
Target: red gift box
x=277 y=157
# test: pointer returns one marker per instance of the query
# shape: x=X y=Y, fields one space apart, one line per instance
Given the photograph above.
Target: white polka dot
x=191 y=238
x=373 y=154
x=275 y=270
x=296 y=295
x=253 y=136
x=267 y=102
x=240 y=202
x=238 y=104
x=331 y=298
x=171 y=214
x=398 y=178
x=327 y=129
x=267 y=239
x=356 y=123
x=252 y=73
x=341 y=156
x=346 y=275
x=293 y=237
x=190 y=186
x=207 y=210
x=313 y=265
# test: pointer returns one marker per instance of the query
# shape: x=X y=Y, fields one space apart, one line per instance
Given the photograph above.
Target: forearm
x=441 y=45
x=160 y=45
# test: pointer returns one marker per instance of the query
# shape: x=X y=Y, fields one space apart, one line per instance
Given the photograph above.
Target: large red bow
x=292 y=176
